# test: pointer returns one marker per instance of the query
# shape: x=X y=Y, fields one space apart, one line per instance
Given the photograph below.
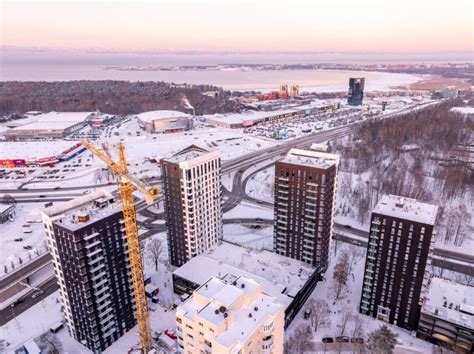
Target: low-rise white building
x=230 y=318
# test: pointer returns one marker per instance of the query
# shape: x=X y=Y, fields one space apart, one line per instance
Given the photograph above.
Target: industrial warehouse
x=53 y=125
x=163 y=122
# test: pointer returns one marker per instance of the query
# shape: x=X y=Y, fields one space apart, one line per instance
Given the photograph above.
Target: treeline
x=430 y=171
x=116 y=97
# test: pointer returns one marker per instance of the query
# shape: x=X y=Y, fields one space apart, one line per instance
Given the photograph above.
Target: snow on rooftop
x=217 y=297
x=79 y=212
x=76 y=117
x=311 y=158
x=43 y=125
x=164 y=114
x=276 y=273
x=407 y=209
x=235 y=118
x=191 y=154
x=4 y=207
x=62 y=207
x=32 y=149
x=458 y=296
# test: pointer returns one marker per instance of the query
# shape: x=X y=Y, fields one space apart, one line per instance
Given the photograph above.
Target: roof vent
x=255 y=308
x=250 y=315
x=222 y=309
x=242 y=285
x=216 y=311
x=226 y=314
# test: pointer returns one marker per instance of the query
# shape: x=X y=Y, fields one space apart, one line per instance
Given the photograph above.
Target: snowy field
x=249 y=237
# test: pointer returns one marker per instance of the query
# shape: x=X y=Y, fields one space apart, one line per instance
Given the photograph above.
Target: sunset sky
x=319 y=25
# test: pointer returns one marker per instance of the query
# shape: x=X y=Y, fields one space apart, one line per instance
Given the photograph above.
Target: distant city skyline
x=403 y=26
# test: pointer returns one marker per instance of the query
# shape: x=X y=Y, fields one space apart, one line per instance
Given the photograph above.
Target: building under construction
x=356 y=91
x=87 y=241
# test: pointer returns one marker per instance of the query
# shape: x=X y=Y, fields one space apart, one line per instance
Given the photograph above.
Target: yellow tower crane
x=127 y=186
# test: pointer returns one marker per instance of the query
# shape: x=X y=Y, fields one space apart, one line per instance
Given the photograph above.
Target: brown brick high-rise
x=305 y=194
x=400 y=243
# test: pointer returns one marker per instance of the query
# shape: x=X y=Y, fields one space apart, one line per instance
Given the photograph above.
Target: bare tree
x=49 y=343
x=319 y=313
x=340 y=274
x=358 y=325
x=154 y=249
x=300 y=341
x=355 y=255
x=346 y=316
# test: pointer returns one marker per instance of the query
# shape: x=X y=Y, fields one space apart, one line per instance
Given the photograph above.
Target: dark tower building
x=356 y=91
x=305 y=196
x=87 y=241
x=192 y=200
x=400 y=244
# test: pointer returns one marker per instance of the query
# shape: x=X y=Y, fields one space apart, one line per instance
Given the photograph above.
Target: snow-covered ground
x=14 y=252
x=349 y=301
x=246 y=235
x=248 y=210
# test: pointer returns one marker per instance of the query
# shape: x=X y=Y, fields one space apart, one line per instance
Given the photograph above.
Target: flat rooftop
x=220 y=297
x=311 y=158
x=75 y=117
x=50 y=126
x=280 y=276
x=162 y=114
x=458 y=296
x=188 y=154
x=87 y=207
x=407 y=209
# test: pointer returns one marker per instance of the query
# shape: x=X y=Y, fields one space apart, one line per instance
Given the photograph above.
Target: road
x=233 y=198
x=49 y=287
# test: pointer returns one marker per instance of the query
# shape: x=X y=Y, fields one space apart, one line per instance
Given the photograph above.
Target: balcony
x=369 y=256
x=93 y=253
x=364 y=301
x=281 y=178
x=375 y=229
x=267 y=344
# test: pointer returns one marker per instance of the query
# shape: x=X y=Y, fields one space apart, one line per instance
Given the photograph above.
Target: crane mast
x=127 y=186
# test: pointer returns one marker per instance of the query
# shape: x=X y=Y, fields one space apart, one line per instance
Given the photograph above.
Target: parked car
x=306 y=314
x=357 y=340
x=37 y=294
x=18 y=239
x=27 y=248
x=328 y=340
x=342 y=339
x=171 y=334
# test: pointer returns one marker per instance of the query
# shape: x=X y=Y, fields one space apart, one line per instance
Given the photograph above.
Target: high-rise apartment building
x=87 y=241
x=235 y=317
x=400 y=244
x=355 y=95
x=305 y=196
x=192 y=200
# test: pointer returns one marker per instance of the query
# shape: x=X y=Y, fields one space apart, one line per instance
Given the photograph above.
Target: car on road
x=356 y=242
x=259 y=220
x=56 y=188
x=328 y=340
x=37 y=294
x=27 y=248
x=348 y=226
x=342 y=339
x=42 y=196
x=357 y=340
x=260 y=201
x=16 y=302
